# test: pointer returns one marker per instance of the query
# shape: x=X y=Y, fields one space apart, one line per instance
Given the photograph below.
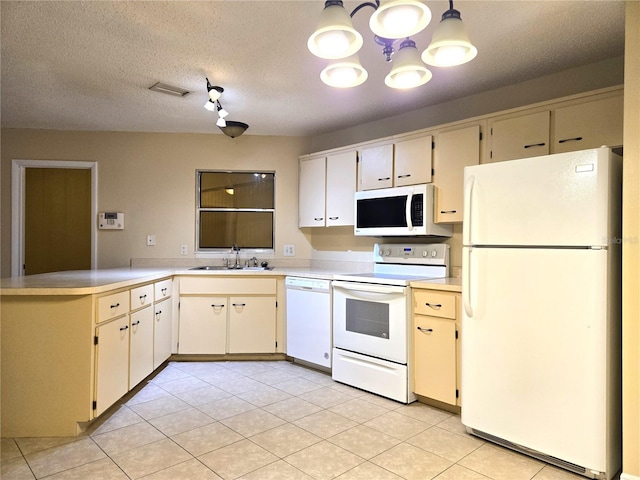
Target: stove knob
x=387 y=252
x=380 y=252
x=425 y=253
x=434 y=253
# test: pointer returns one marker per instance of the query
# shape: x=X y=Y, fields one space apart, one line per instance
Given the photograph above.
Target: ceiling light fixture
x=392 y=21
x=450 y=45
x=229 y=127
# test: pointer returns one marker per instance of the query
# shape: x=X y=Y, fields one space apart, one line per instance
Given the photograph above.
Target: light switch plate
x=289 y=251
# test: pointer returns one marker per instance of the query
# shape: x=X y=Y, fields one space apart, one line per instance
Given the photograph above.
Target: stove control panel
x=419 y=254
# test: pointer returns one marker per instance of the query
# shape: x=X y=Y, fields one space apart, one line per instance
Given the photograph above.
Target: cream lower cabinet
x=203 y=325
x=252 y=325
x=140 y=345
x=436 y=345
x=220 y=315
x=112 y=364
x=163 y=321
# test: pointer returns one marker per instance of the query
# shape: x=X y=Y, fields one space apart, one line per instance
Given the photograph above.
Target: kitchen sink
x=222 y=267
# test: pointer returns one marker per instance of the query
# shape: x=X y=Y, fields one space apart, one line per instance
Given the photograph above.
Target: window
x=235 y=208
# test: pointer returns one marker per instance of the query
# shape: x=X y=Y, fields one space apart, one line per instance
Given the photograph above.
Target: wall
x=606 y=73
x=151 y=178
x=631 y=249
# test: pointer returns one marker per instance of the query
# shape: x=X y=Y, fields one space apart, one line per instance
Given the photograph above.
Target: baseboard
x=628 y=476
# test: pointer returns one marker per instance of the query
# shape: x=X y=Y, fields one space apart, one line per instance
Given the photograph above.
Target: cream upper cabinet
x=519 y=137
x=454 y=150
x=340 y=189
x=412 y=161
x=588 y=125
x=404 y=162
x=326 y=189
x=311 y=192
x=376 y=167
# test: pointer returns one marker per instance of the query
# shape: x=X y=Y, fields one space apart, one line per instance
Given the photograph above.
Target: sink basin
x=222 y=267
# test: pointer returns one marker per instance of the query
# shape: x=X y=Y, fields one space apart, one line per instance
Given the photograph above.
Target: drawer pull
x=115 y=306
x=404 y=176
x=384 y=179
x=318 y=219
x=126 y=327
x=434 y=305
x=134 y=324
x=535 y=145
x=575 y=139
x=333 y=218
x=164 y=291
x=425 y=330
x=143 y=298
x=448 y=211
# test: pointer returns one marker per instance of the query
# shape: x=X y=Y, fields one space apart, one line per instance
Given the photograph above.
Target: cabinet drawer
x=227 y=286
x=141 y=296
x=163 y=289
x=112 y=306
x=434 y=303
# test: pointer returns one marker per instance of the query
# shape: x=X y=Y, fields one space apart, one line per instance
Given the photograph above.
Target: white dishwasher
x=309 y=320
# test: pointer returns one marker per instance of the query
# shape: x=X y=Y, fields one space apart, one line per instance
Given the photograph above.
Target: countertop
x=87 y=282
x=449 y=284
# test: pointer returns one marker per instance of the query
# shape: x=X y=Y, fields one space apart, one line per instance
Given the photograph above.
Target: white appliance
x=309 y=320
x=372 y=317
x=400 y=211
x=541 y=328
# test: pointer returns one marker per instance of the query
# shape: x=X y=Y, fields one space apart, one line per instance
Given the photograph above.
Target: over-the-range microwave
x=399 y=211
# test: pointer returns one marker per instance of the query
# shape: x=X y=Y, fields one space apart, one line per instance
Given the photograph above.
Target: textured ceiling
x=87 y=65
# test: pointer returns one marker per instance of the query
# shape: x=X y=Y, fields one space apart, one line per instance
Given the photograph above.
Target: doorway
x=54 y=216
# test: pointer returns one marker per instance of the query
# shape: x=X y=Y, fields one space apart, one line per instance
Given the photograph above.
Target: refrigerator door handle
x=466 y=282
x=466 y=226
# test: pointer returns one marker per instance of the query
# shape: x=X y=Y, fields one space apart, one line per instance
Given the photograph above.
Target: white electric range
x=372 y=317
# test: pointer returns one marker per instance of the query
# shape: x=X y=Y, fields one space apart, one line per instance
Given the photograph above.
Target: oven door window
x=368 y=318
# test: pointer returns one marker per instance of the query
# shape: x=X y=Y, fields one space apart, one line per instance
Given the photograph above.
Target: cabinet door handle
x=217 y=306
x=535 y=145
x=404 y=176
x=135 y=323
x=115 y=306
x=158 y=313
x=446 y=212
x=384 y=179
x=575 y=139
x=126 y=327
x=318 y=219
x=434 y=305
x=333 y=218
x=239 y=304
x=425 y=330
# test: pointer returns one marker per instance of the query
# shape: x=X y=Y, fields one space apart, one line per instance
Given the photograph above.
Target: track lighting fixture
x=392 y=21
x=228 y=127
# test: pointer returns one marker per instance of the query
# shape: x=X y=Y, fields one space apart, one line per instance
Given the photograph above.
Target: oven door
x=371 y=319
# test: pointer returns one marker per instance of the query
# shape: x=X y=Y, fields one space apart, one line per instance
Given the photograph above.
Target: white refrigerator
x=541 y=328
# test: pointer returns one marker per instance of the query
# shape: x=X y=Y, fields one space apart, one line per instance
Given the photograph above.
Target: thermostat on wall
x=111 y=221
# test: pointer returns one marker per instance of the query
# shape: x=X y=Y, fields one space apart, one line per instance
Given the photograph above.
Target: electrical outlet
x=183 y=250
x=289 y=250
x=151 y=240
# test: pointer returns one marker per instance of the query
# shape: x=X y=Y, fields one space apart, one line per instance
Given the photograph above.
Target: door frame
x=18 y=187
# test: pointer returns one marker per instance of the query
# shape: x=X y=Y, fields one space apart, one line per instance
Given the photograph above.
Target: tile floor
x=266 y=420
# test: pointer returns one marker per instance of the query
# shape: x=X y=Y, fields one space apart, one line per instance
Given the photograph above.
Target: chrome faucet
x=235 y=248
